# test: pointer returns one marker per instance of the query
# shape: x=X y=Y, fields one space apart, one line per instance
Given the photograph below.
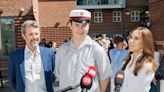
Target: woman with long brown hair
x=140 y=66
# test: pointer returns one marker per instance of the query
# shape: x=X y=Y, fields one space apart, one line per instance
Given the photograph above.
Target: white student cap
x=81 y=16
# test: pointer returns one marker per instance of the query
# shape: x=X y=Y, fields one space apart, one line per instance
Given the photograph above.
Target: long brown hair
x=147 y=54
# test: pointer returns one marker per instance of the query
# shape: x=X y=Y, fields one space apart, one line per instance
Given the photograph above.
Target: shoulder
x=63 y=47
x=125 y=51
x=16 y=54
x=18 y=51
x=45 y=49
x=148 y=67
x=97 y=48
x=113 y=50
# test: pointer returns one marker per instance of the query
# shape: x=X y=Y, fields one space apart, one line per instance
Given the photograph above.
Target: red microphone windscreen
x=91 y=71
x=86 y=80
x=120 y=76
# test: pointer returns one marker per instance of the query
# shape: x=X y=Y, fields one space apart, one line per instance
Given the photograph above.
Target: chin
x=131 y=50
x=35 y=45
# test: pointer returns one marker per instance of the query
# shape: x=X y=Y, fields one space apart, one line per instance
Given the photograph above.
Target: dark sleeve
x=53 y=65
x=11 y=71
x=160 y=72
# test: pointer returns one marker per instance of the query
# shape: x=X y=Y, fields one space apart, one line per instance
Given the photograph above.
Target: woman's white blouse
x=139 y=83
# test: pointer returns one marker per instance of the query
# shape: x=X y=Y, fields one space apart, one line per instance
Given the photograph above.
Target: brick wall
x=108 y=25
x=133 y=3
x=13 y=7
x=55 y=13
x=57 y=35
x=157 y=21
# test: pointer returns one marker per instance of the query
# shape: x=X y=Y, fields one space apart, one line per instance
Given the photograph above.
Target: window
x=98 y=17
x=115 y=2
x=117 y=16
x=7 y=38
x=135 y=16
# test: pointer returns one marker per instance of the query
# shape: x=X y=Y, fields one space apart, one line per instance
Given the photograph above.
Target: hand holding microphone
x=119 y=79
x=87 y=79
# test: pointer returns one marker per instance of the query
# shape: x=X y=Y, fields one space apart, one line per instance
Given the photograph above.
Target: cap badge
x=81 y=13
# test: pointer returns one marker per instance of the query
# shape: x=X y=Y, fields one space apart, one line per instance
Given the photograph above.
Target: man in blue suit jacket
x=31 y=68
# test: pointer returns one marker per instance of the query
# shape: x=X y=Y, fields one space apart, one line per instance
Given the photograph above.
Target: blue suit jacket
x=16 y=71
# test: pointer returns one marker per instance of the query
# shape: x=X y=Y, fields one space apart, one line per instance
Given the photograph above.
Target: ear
x=23 y=36
x=70 y=26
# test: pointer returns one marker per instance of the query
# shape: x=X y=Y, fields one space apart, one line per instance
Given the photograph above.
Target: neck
x=135 y=54
x=119 y=49
x=77 y=42
x=33 y=49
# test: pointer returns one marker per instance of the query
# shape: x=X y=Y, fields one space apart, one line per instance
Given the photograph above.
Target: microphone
x=91 y=71
x=87 y=79
x=119 y=79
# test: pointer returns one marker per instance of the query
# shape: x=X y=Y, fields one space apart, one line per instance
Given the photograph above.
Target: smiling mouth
x=80 y=33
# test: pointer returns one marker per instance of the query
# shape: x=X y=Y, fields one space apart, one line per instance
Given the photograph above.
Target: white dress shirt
x=34 y=73
x=72 y=63
x=139 y=83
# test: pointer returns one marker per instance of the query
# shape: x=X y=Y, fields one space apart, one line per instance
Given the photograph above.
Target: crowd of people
x=38 y=66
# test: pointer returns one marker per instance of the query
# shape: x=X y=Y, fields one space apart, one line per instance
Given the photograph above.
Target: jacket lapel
x=21 y=62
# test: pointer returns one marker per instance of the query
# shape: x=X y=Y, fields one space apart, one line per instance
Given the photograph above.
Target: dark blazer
x=16 y=71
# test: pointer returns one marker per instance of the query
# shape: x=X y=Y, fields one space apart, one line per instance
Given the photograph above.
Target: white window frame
x=117 y=16
x=135 y=16
x=98 y=17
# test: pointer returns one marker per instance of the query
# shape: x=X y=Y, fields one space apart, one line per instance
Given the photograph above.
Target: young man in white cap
x=74 y=57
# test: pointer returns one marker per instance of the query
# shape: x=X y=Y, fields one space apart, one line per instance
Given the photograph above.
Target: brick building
x=108 y=16
x=157 y=22
x=113 y=16
x=49 y=13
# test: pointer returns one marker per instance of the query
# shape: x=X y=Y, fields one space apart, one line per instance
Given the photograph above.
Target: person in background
x=74 y=57
x=103 y=37
x=154 y=83
x=44 y=43
x=105 y=42
x=54 y=47
x=31 y=68
x=117 y=55
x=140 y=65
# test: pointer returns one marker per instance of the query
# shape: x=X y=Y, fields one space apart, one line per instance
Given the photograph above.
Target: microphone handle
x=118 y=88
x=84 y=90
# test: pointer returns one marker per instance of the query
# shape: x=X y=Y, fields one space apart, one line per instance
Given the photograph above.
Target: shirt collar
x=28 y=51
x=87 y=41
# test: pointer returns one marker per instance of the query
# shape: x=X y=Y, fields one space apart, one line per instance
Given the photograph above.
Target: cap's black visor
x=82 y=21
